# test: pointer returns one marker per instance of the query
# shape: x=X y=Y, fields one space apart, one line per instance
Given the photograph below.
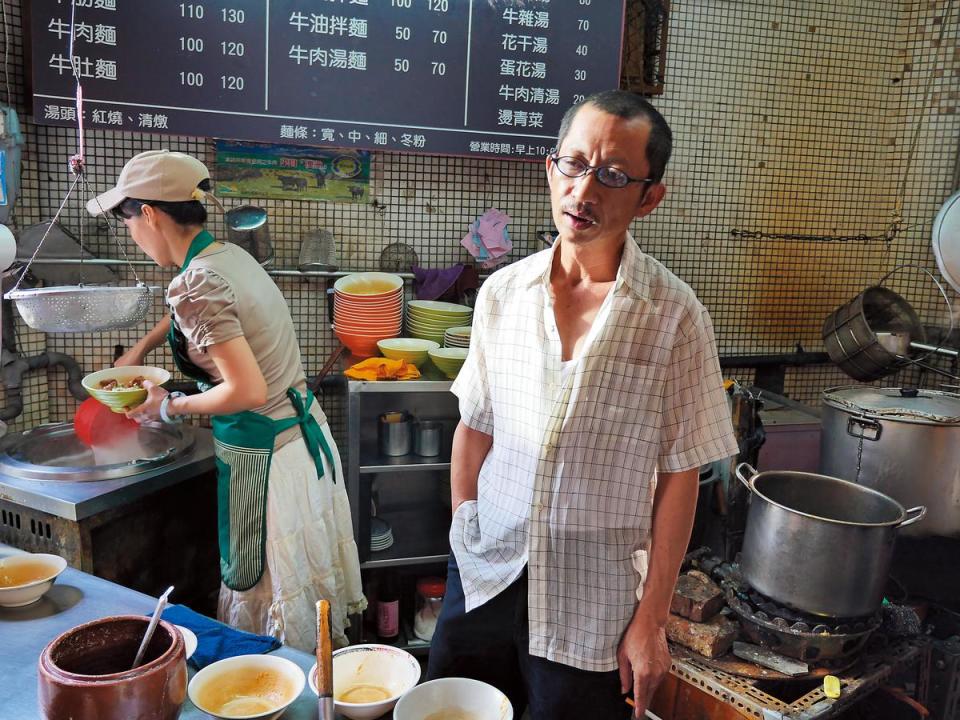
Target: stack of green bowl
x=429 y=319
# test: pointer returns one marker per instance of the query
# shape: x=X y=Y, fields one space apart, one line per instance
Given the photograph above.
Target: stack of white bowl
x=429 y=319
x=367 y=308
x=457 y=337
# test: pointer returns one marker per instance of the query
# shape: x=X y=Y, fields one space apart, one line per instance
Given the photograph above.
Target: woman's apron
x=243 y=445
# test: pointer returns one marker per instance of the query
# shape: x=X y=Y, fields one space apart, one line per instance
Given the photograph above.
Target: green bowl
x=411 y=350
x=448 y=360
x=120 y=401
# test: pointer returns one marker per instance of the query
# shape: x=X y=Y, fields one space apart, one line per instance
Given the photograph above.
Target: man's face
x=586 y=211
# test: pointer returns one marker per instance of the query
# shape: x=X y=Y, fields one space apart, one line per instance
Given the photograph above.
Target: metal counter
x=79 y=500
x=74 y=599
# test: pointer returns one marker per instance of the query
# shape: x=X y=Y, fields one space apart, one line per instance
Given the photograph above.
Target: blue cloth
x=216 y=641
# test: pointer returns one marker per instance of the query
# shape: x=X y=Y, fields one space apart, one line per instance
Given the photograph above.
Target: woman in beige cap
x=285 y=533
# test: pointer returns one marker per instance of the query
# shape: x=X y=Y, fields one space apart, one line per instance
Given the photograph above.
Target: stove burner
x=816 y=640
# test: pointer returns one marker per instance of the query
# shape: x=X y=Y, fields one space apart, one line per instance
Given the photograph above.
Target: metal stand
x=734 y=696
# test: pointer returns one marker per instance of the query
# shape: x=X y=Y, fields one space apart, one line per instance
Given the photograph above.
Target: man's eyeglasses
x=605 y=174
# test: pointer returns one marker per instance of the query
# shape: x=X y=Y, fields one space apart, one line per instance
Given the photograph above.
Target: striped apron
x=243 y=446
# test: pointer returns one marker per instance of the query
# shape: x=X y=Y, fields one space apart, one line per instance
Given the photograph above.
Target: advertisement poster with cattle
x=292 y=172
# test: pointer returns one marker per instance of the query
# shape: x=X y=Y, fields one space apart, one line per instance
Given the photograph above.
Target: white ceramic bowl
x=382 y=666
x=43 y=568
x=189 y=640
x=247 y=687
x=478 y=699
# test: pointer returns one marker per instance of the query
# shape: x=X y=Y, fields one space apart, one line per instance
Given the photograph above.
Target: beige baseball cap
x=153 y=175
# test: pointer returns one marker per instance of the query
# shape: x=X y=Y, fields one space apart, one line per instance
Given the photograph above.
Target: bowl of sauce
x=454 y=698
x=368 y=680
x=24 y=578
x=247 y=686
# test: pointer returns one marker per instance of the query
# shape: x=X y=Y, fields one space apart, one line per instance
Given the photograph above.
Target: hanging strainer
x=79 y=308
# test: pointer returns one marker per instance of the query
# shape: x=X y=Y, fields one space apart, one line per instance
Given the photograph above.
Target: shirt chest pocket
x=618 y=408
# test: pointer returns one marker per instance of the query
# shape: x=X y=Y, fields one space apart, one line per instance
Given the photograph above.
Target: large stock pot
x=819 y=544
x=903 y=442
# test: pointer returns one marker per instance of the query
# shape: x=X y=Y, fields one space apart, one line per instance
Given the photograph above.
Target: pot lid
x=934 y=407
x=54 y=452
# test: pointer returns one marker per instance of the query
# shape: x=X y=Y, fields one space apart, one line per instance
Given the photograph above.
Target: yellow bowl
x=122 y=400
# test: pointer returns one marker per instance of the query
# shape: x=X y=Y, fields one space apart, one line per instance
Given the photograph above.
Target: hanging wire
x=77 y=167
x=46 y=232
x=6 y=49
x=113 y=229
x=902 y=190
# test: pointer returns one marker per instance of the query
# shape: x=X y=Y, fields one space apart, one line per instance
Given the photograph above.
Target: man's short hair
x=628 y=105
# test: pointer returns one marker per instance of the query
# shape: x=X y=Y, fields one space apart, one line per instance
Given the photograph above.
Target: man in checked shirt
x=590 y=398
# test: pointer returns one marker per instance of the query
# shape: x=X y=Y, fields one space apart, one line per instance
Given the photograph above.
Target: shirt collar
x=633 y=271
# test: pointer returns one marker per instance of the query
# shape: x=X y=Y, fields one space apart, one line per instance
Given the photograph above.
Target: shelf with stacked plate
x=400 y=502
x=399 y=432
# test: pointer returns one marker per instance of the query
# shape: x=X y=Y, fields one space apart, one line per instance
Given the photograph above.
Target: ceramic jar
x=84 y=673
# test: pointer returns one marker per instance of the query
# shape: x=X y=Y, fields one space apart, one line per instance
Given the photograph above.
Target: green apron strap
x=175 y=338
x=311 y=430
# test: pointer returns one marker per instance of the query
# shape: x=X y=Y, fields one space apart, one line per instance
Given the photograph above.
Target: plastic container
x=430 y=592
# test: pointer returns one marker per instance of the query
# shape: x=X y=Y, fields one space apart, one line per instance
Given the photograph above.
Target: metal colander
x=79 y=308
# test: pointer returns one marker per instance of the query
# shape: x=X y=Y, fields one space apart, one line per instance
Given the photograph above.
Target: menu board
x=462 y=77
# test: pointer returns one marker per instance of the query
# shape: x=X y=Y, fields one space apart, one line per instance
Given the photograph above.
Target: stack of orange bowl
x=367 y=308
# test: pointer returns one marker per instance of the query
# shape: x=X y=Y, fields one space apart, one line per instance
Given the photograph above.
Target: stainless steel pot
x=819 y=544
x=904 y=443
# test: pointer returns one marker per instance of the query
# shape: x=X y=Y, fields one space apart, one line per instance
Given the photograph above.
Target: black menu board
x=462 y=77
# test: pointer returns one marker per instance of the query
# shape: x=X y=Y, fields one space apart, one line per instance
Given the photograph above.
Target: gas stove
x=821 y=642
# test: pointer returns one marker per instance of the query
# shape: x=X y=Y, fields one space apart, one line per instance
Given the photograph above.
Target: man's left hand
x=644 y=659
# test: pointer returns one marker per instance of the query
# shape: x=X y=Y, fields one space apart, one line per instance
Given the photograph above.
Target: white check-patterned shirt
x=567 y=487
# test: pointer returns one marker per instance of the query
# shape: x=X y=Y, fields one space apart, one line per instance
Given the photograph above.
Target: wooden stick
x=324 y=658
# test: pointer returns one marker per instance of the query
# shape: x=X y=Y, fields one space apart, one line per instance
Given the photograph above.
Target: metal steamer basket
x=873 y=334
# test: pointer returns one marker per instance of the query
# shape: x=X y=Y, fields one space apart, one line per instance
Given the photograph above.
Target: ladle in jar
x=161 y=604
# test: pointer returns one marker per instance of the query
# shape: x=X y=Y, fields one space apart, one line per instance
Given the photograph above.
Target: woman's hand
x=133 y=356
x=149 y=410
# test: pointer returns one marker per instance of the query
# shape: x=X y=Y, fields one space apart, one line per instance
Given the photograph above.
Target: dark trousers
x=491 y=644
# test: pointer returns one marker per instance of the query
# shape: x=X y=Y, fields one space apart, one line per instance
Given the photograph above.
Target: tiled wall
x=813 y=120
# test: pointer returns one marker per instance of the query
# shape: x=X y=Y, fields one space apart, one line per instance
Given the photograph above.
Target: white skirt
x=310 y=555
